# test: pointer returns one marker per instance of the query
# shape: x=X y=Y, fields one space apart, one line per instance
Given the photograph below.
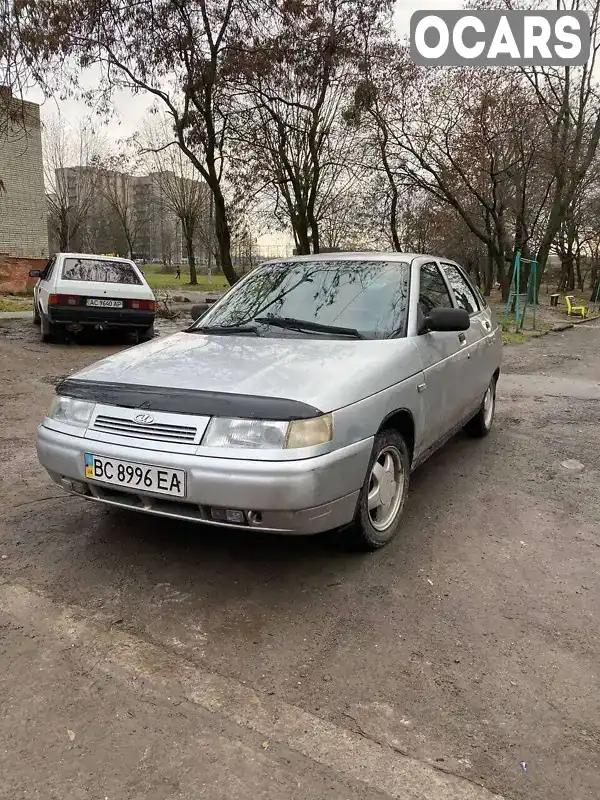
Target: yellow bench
x=581 y=311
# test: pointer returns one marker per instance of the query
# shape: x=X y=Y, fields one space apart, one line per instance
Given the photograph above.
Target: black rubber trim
x=111 y=317
x=187 y=401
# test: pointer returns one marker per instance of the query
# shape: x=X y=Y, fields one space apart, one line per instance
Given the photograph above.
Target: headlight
x=259 y=434
x=71 y=411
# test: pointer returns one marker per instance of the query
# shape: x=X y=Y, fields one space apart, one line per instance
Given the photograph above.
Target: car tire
x=37 y=320
x=482 y=422
x=50 y=330
x=146 y=334
x=378 y=515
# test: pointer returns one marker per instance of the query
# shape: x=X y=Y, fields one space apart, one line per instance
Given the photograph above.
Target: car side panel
x=484 y=340
x=362 y=420
x=483 y=362
x=446 y=366
x=45 y=289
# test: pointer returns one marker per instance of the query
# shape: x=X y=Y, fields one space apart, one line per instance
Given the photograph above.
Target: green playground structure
x=517 y=301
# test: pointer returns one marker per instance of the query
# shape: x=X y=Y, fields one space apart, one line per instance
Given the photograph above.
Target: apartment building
x=127 y=213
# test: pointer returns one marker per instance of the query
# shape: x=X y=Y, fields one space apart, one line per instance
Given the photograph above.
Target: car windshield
x=99 y=270
x=368 y=297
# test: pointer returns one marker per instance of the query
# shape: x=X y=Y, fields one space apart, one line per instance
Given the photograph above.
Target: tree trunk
x=301 y=236
x=503 y=275
x=223 y=237
x=188 y=235
x=129 y=244
x=594 y=277
x=578 y=271
x=63 y=234
x=488 y=280
x=314 y=230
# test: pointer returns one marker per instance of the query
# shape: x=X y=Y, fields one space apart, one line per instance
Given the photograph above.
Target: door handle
x=462 y=338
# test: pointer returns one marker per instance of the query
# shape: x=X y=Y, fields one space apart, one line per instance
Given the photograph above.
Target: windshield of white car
x=360 y=298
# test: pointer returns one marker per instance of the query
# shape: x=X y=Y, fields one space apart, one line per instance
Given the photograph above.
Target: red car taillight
x=64 y=300
x=141 y=305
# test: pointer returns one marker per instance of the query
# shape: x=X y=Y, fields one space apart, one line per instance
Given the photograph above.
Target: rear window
x=99 y=271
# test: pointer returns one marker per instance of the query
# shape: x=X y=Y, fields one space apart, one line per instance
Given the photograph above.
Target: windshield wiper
x=293 y=324
x=225 y=329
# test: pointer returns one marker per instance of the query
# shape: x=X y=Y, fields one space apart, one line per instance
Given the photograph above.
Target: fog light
x=233 y=516
x=254 y=517
x=79 y=487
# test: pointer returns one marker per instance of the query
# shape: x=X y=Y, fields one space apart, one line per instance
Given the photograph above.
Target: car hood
x=324 y=373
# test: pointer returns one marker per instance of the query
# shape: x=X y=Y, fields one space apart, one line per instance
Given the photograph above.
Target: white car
x=75 y=291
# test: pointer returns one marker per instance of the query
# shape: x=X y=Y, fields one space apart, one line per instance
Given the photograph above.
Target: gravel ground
x=146 y=659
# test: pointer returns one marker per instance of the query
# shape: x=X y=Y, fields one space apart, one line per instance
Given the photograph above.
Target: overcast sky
x=130 y=110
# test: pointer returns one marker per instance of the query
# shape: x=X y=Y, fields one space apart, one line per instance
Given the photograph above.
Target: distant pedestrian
x=178 y=273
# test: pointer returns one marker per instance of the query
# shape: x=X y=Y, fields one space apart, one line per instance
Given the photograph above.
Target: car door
x=479 y=370
x=43 y=288
x=444 y=360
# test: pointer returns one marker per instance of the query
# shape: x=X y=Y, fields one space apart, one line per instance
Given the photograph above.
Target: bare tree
x=118 y=190
x=172 y=50
x=179 y=186
x=71 y=159
x=294 y=83
x=568 y=102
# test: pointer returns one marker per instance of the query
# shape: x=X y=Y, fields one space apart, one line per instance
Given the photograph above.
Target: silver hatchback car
x=300 y=402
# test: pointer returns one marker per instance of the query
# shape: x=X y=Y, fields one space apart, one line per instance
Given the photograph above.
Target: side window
x=433 y=292
x=465 y=297
x=49 y=268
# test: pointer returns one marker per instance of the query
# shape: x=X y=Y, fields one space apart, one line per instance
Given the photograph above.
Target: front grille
x=158 y=431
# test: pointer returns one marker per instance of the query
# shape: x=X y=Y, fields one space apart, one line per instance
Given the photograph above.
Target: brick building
x=23 y=228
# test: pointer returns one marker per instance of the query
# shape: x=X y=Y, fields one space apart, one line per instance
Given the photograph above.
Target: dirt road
x=145 y=659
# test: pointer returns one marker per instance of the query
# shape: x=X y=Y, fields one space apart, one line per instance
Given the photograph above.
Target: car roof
x=358 y=256
x=95 y=256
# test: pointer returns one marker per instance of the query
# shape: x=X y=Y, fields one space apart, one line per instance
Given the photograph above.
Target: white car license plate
x=130 y=475
x=101 y=303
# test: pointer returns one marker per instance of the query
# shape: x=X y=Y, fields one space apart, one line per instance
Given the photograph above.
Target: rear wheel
x=146 y=334
x=482 y=422
x=50 y=331
x=382 y=497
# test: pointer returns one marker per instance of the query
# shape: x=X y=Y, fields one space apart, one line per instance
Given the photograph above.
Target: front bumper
x=104 y=317
x=301 y=497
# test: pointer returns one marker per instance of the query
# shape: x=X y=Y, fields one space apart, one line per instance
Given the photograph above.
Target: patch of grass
x=541 y=328
x=511 y=337
x=167 y=280
x=26 y=292
x=8 y=303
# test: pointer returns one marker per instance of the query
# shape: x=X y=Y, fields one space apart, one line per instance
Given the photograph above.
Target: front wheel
x=482 y=422
x=36 y=314
x=381 y=500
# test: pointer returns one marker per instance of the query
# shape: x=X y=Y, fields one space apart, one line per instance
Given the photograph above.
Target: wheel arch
x=402 y=421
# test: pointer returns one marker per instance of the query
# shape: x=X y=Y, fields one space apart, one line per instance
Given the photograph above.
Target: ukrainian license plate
x=131 y=475
x=98 y=302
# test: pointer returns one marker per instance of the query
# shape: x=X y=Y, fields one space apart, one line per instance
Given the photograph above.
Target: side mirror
x=35 y=273
x=197 y=311
x=446 y=319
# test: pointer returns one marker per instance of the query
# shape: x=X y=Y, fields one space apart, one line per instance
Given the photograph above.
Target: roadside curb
x=587 y=319
x=15 y=315
x=559 y=327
